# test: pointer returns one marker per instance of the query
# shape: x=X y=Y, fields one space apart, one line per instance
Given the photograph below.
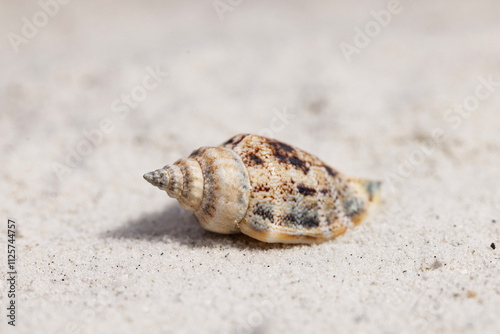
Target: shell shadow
x=176 y=225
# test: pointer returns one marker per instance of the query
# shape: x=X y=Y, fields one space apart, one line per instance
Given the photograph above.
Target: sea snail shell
x=267 y=190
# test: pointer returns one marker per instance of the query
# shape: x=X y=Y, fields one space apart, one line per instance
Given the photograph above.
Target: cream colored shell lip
x=268 y=190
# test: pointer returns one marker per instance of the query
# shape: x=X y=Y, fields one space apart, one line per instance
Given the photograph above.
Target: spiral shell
x=267 y=190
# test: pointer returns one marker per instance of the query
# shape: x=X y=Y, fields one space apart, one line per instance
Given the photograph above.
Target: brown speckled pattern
x=295 y=197
x=268 y=190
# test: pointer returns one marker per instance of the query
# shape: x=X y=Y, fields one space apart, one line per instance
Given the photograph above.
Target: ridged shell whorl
x=213 y=183
x=268 y=190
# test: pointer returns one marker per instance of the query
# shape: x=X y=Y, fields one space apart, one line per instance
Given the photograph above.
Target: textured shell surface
x=268 y=190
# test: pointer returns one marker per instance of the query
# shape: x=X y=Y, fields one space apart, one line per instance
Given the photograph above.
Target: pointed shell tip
x=148 y=177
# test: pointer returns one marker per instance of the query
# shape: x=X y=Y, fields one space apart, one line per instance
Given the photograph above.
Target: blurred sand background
x=102 y=251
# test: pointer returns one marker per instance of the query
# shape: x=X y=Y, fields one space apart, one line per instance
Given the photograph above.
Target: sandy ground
x=101 y=251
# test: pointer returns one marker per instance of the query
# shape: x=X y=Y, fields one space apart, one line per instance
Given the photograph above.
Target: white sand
x=102 y=251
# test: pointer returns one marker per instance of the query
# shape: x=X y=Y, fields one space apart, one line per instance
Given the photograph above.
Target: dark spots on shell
x=308 y=218
x=165 y=182
x=281 y=147
x=286 y=154
x=195 y=152
x=263 y=211
x=235 y=140
x=330 y=171
x=286 y=147
x=261 y=187
x=171 y=186
x=300 y=164
x=209 y=210
x=353 y=207
x=310 y=221
x=256 y=160
x=306 y=191
x=282 y=158
x=325 y=191
x=291 y=219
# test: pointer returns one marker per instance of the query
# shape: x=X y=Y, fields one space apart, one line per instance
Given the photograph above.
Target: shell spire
x=158 y=178
x=268 y=190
